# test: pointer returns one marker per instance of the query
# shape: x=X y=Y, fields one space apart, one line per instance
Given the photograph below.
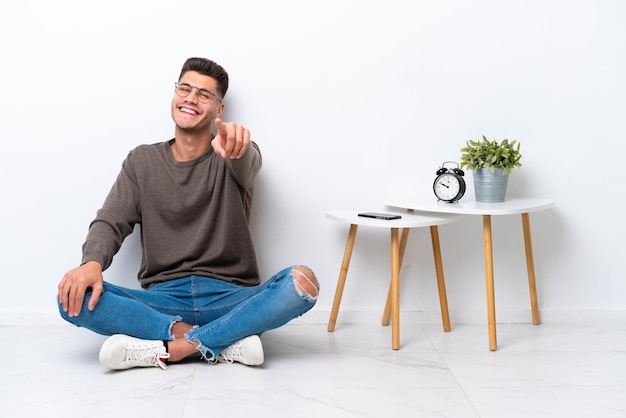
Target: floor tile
x=540 y=371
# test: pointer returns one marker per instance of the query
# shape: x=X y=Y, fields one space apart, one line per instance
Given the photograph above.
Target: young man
x=191 y=195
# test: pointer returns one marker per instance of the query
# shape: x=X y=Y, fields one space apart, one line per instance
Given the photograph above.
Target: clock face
x=448 y=187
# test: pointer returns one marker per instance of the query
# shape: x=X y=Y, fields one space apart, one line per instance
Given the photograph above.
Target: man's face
x=190 y=113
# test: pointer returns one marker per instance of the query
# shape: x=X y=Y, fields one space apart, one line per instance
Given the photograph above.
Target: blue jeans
x=221 y=312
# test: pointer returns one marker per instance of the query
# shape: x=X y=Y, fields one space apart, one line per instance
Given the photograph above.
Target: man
x=191 y=195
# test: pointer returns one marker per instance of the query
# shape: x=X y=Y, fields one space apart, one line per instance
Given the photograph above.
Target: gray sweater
x=193 y=215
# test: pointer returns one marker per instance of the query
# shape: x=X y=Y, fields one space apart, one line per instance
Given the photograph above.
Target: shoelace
x=232 y=351
x=147 y=355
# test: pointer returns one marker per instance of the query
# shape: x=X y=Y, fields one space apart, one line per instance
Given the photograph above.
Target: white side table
x=512 y=206
x=408 y=221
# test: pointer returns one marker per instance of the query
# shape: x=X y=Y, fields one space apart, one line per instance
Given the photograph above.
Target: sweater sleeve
x=247 y=167
x=115 y=220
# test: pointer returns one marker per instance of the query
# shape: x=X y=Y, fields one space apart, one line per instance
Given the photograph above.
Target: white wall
x=351 y=102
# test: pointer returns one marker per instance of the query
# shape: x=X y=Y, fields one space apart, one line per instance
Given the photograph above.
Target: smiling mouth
x=187 y=110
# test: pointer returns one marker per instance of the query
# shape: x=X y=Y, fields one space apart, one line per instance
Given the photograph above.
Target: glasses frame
x=200 y=89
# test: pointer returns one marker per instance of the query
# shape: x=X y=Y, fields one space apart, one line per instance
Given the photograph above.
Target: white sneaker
x=121 y=352
x=248 y=351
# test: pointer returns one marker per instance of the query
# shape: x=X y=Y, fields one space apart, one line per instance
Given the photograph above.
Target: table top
x=407 y=220
x=514 y=205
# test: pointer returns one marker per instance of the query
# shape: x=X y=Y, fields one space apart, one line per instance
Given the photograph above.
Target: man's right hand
x=231 y=141
x=75 y=283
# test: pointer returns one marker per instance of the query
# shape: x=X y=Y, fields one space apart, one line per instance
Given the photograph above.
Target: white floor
x=537 y=371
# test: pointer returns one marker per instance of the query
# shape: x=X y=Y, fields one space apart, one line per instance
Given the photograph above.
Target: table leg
x=491 y=304
x=530 y=265
x=387 y=311
x=342 y=277
x=395 y=290
x=441 y=283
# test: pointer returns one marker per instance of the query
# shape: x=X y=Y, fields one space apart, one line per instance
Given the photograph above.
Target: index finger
x=96 y=291
x=226 y=136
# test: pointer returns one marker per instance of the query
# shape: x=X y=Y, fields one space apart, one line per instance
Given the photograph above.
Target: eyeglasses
x=204 y=95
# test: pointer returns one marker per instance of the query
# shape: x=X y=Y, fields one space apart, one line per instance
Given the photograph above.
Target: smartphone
x=376 y=215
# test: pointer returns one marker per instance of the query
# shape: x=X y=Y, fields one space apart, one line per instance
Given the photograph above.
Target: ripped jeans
x=221 y=312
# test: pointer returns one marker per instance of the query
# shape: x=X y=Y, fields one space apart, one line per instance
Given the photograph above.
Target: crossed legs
x=180 y=347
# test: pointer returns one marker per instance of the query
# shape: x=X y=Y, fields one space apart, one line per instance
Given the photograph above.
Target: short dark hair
x=209 y=68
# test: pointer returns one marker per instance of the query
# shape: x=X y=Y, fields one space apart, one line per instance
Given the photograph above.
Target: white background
x=351 y=102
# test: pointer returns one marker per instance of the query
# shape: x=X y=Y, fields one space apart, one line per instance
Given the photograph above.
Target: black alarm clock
x=449 y=185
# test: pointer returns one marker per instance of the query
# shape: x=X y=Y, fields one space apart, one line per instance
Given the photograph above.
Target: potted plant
x=491 y=162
